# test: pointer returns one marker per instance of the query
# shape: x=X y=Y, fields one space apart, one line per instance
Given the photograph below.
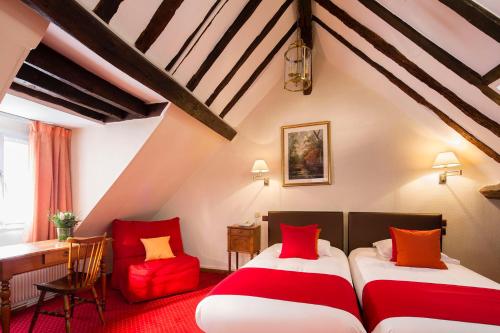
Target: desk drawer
x=56 y=257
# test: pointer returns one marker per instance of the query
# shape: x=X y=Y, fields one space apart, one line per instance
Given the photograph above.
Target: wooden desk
x=27 y=257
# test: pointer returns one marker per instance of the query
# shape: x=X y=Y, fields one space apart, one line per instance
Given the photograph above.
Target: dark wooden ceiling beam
x=61 y=68
x=158 y=23
x=305 y=25
x=33 y=78
x=413 y=94
x=95 y=35
x=434 y=50
x=492 y=75
x=106 y=9
x=393 y=53
x=255 y=43
x=233 y=29
x=257 y=71
x=476 y=15
x=184 y=46
x=41 y=96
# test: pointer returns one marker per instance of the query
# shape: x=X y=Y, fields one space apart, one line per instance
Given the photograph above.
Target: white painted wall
x=381 y=156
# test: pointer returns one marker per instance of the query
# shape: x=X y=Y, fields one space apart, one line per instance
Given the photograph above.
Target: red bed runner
x=384 y=299
x=312 y=288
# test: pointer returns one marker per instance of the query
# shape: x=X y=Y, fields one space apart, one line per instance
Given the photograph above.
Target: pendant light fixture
x=298 y=65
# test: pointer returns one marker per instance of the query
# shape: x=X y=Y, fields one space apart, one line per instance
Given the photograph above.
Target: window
x=16 y=191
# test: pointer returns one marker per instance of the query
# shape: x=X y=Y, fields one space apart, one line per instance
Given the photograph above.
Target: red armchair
x=140 y=280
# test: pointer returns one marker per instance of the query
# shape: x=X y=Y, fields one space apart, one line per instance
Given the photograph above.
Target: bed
x=457 y=291
x=269 y=294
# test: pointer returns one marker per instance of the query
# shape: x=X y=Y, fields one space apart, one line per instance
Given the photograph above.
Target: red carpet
x=170 y=314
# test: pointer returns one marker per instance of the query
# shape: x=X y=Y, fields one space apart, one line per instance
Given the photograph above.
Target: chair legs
x=98 y=304
x=67 y=313
x=37 y=310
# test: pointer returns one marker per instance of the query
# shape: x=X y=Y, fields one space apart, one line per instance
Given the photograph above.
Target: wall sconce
x=259 y=168
x=446 y=160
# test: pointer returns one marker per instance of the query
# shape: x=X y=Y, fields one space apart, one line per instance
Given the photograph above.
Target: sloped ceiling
x=215 y=48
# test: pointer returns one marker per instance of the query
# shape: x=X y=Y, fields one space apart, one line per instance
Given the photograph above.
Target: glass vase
x=64 y=233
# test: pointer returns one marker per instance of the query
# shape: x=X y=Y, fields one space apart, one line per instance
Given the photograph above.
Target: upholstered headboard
x=331 y=224
x=365 y=228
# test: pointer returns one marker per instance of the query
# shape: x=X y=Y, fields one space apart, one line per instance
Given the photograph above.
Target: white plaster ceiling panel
x=425 y=61
x=237 y=47
x=260 y=53
x=480 y=132
x=187 y=17
x=448 y=30
x=209 y=39
x=491 y=5
x=89 y=4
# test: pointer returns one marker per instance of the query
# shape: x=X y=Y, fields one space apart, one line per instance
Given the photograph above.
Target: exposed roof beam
x=305 y=25
x=105 y=9
x=435 y=51
x=33 y=78
x=476 y=15
x=245 y=14
x=492 y=75
x=39 y=95
x=160 y=19
x=390 y=51
x=95 y=35
x=190 y=38
x=255 y=43
x=59 y=67
x=412 y=93
x=257 y=71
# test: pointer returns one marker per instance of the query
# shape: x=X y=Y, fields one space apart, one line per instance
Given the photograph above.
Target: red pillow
x=299 y=242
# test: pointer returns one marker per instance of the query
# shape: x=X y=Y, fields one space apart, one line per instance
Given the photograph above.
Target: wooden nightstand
x=242 y=240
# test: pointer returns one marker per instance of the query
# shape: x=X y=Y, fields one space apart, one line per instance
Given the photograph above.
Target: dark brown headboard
x=366 y=228
x=331 y=224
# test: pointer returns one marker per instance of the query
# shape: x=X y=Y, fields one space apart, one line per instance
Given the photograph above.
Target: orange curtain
x=50 y=156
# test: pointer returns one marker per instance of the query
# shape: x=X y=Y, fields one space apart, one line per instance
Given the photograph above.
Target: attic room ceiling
x=220 y=49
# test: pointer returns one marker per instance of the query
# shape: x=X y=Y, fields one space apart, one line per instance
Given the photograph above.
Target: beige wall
x=20 y=31
x=381 y=162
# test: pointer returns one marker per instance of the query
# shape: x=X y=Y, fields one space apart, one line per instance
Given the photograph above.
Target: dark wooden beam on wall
x=56 y=65
x=255 y=43
x=105 y=9
x=233 y=29
x=34 y=79
x=158 y=23
x=476 y=15
x=184 y=46
x=39 y=95
x=492 y=75
x=434 y=50
x=412 y=93
x=305 y=25
x=257 y=71
x=95 y=35
x=393 y=53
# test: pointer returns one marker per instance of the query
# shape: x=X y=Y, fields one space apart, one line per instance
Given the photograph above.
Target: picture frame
x=305 y=154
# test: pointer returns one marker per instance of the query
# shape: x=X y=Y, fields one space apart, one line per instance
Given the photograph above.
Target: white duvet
x=366 y=266
x=241 y=314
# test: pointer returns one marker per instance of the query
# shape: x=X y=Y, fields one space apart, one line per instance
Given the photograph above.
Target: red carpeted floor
x=169 y=314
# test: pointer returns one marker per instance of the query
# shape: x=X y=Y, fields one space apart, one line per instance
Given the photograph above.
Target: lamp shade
x=260 y=166
x=446 y=160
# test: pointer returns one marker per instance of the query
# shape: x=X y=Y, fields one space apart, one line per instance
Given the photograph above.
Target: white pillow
x=323 y=248
x=384 y=251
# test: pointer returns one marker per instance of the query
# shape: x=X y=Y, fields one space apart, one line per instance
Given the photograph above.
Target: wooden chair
x=84 y=258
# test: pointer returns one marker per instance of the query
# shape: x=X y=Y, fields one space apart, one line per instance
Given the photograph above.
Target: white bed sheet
x=242 y=314
x=366 y=266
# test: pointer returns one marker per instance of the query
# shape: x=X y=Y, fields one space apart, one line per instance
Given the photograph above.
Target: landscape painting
x=306 y=154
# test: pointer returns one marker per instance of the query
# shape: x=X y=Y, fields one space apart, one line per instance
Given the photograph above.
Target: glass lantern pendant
x=297 y=66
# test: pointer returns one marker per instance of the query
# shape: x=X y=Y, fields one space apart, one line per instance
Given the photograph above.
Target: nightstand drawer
x=240 y=244
x=240 y=232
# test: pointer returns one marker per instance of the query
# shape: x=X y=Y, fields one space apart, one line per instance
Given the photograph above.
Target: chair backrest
x=84 y=259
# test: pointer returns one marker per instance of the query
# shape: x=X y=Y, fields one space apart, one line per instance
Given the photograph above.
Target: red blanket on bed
x=313 y=288
x=384 y=299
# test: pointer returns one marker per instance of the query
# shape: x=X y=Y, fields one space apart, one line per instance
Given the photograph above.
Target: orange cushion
x=157 y=248
x=419 y=248
x=318 y=231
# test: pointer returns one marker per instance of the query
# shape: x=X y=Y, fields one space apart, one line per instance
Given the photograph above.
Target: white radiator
x=23 y=291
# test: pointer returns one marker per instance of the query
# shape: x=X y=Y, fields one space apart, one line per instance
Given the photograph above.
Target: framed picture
x=305 y=154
